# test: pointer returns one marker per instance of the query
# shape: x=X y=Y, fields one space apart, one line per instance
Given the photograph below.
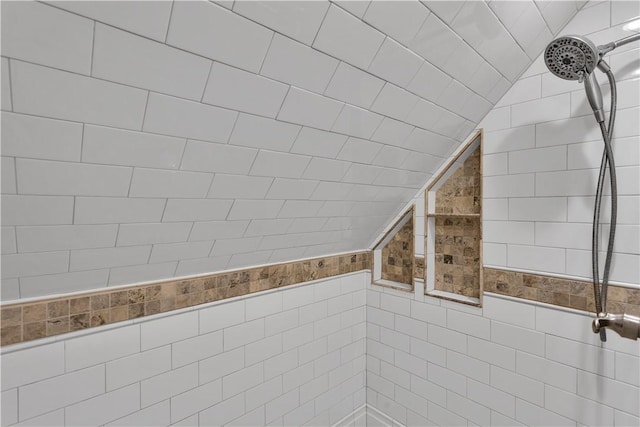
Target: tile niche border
x=46 y=317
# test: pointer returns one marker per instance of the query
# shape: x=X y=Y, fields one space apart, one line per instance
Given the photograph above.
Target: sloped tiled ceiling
x=145 y=140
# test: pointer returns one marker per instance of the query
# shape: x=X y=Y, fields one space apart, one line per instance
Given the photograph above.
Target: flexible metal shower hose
x=600 y=290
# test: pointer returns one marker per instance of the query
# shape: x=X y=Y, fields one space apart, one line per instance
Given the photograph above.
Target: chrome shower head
x=571 y=57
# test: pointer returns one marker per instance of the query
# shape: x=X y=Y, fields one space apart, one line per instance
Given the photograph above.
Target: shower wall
x=542 y=154
x=516 y=362
x=291 y=356
x=510 y=363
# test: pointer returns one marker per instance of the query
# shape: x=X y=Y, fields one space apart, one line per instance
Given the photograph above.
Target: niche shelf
x=453 y=207
x=393 y=255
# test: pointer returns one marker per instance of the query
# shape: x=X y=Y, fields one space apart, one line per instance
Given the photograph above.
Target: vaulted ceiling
x=145 y=140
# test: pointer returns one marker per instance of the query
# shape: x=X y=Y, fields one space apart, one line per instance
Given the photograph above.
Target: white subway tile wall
x=210 y=363
x=553 y=150
x=457 y=366
x=118 y=114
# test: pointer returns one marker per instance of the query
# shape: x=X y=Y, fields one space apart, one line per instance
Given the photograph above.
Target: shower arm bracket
x=606 y=48
x=625 y=325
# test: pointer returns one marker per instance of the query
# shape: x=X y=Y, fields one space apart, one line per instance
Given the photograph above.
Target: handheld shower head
x=575 y=58
x=571 y=57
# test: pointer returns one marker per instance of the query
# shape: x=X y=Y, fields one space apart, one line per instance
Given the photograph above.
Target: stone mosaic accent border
x=576 y=294
x=418 y=267
x=23 y=322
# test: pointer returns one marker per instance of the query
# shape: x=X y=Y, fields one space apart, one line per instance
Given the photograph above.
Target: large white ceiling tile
x=307 y=224
x=528 y=28
x=347 y=38
x=285 y=188
x=205 y=28
x=309 y=109
x=425 y=114
x=239 y=187
x=122 y=57
x=390 y=156
x=357 y=122
x=260 y=132
x=57 y=94
x=42 y=34
x=479 y=27
x=254 y=209
x=354 y=86
x=331 y=191
x=445 y=9
x=294 y=63
x=211 y=157
x=484 y=79
x=420 y=162
x=66 y=178
x=236 y=89
x=449 y=124
x=166 y=183
x=430 y=143
x=359 y=150
x=429 y=82
x=355 y=7
x=315 y=142
x=121 y=147
x=463 y=64
x=267 y=227
x=394 y=102
x=400 y=19
x=395 y=63
x=178 y=210
x=476 y=108
x=300 y=208
x=147 y=18
x=556 y=13
x=40 y=138
x=178 y=117
x=326 y=169
x=454 y=97
x=508 y=12
x=399 y=178
x=299 y=20
x=435 y=41
x=392 y=132
x=271 y=163
x=362 y=174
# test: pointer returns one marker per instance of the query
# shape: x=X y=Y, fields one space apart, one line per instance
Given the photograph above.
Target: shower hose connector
x=625 y=325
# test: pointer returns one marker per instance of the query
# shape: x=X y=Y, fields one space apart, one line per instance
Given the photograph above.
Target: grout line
x=93 y=49
x=206 y=83
x=166 y=35
x=10 y=83
x=266 y=53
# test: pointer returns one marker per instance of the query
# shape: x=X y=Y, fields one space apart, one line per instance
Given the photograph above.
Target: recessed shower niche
x=393 y=255
x=453 y=207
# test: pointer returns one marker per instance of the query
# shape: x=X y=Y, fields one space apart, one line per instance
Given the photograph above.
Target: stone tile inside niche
x=397 y=256
x=457 y=256
x=461 y=193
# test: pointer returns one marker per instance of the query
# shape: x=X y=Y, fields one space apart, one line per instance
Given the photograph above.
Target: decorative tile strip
x=576 y=294
x=21 y=322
